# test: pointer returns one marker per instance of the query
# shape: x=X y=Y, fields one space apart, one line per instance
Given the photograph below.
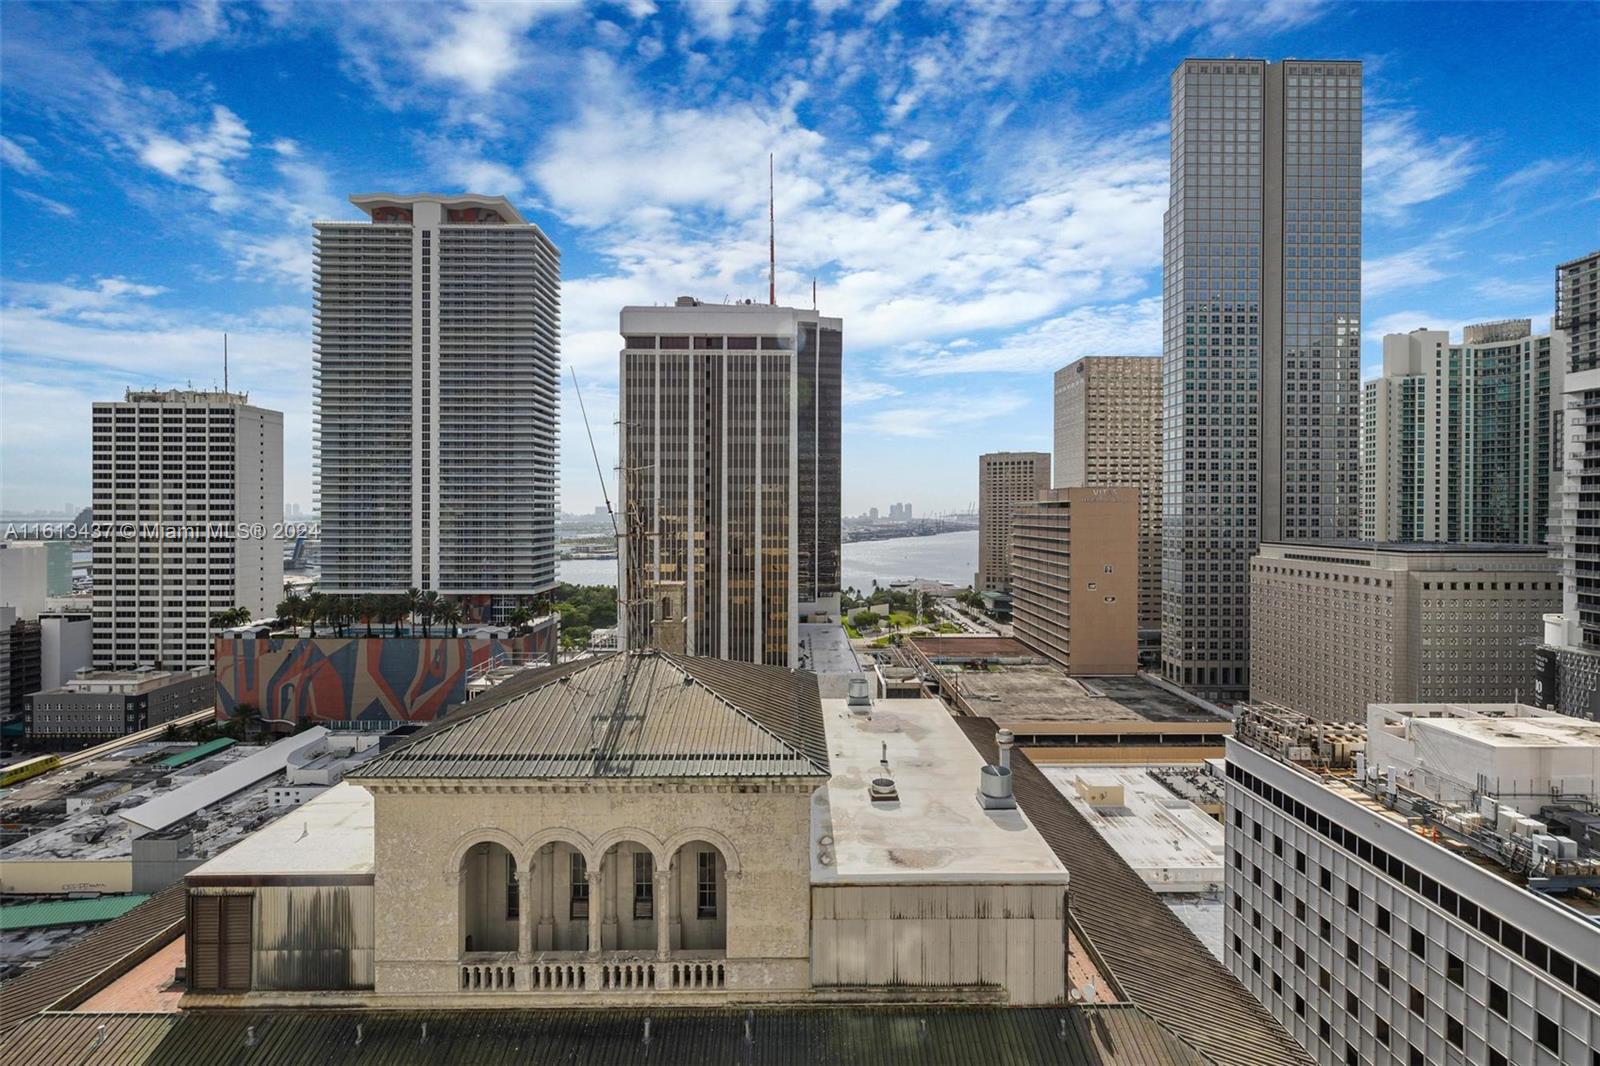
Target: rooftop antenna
x=772 y=239
x=813 y=292
x=224 y=362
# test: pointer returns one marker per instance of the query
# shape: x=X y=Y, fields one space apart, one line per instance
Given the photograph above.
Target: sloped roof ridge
x=727 y=701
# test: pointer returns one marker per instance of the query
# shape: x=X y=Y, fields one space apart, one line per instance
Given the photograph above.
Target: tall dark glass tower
x=1261 y=341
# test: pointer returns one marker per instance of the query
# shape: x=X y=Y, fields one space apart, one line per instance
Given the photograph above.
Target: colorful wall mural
x=362 y=679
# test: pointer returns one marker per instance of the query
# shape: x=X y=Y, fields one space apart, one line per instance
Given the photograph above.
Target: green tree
x=449 y=612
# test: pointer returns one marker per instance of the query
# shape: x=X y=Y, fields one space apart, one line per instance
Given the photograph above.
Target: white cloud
x=860 y=390
x=938 y=414
x=1402 y=270
x=18 y=158
x=483 y=44
x=55 y=207
x=721 y=20
x=1403 y=167
x=187 y=25
x=1122 y=329
x=200 y=159
x=916 y=149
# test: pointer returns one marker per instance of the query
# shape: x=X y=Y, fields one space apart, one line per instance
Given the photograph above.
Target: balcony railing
x=577 y=973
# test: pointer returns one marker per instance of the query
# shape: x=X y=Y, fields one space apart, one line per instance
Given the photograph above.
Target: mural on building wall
x=367 y=679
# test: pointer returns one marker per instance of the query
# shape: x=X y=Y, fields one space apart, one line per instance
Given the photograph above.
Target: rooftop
x=330 y=835
x=1421 y=547
x=825 y=649
x=170 y=807
x=1048 y=694
x=370 y=202
x=1168 y=841
x=935 y=830
x=625 y=715
x=1499 y=725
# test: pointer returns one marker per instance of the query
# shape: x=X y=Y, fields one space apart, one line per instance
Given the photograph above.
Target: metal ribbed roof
x=1153 y=957
x=623 y=716
x=67 y=912
x=813 y=1036
x=77 y=972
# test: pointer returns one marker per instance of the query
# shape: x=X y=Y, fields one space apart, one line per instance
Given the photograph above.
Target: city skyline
x=930 y=205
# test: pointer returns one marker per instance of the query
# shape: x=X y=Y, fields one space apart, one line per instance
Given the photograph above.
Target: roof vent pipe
x=859 y=699
x=1003 y=740
x=994 y=782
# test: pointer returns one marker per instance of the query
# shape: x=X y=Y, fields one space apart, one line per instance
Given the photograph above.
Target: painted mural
x=367 y=679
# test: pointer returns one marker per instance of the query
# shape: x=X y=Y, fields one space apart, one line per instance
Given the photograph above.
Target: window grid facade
x=1261 y=337
x=1425 y=960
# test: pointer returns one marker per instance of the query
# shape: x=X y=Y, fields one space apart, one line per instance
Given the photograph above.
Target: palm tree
x=519 y=617
x=414 y=604
x=248 y=715
x=366 y=607
x=395 y=610
x=311 y=610
x=291 y=607
x=450 y=614
x=429 y=608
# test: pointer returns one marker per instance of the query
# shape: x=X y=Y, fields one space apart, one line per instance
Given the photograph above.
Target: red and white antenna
x=772 y=240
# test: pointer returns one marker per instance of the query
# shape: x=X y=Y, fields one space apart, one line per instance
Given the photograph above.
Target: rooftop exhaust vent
x=994 y=782
x=859 y=699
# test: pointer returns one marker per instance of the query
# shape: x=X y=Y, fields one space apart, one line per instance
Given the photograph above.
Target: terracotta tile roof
x=1155 y=960
x=679 y=717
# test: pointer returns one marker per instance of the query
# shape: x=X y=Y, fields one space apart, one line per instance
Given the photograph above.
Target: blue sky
x=978 y=189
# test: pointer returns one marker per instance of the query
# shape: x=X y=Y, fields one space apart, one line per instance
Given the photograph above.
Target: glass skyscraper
x=1261 y=340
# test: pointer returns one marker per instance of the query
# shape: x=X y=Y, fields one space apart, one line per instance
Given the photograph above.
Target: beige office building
x=1108 y=432
x=1075 y=578
x=1336 y=626
x=1005 y=479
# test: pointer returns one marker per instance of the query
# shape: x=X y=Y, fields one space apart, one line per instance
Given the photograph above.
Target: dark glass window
x=644 y=884
x=706 y=888
x=1455 y=969
x=1549 y=1034
x=1499 y=1001
x=513 y=897
x=1453 y=1032
x=579 y=892
x=1419 y=943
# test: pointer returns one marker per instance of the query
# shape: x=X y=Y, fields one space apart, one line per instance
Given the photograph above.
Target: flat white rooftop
x=934 y=832
x=180 y=803
x=825 y=649
x=1167 y=840
x=330 y=834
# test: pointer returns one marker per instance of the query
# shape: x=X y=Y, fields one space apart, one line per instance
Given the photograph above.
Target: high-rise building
x=1261 y=340
x=1456 y=439
x=1334 y=627
x=437 y=390
x=1075 y=577
x=1005 y=480
x=1567 y=667
x=1108 y=432
x=729 y=477
x=1430 y=903
x=189 y=487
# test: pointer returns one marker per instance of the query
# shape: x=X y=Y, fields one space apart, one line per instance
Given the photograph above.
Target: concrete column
x=608 y=931
x=674 y=917
x=597 y=890
x=525 y=913
x=661 y=909
x=545 y=867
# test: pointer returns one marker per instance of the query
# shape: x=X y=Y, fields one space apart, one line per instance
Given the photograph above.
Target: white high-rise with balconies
x=437 y=391
x=188 y=505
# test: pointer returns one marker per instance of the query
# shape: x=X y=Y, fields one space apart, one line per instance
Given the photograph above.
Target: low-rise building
x=1335 y=626
x=1388 y=899
x=647 y=825
x=1075 y=578
x=111 y=703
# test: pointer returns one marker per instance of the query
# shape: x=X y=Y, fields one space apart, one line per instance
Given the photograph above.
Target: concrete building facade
x=1108 y=432
x=1261 y=341
x=1567 y=666
x=106 y=703
x=188 y=502
x=730 y=484
x=1457 y=442
x=1075 y=578
x=24 y=576
x=66 y=645
x=1335 y=627
x=437 y=370
x=1375 y=943
x=1006 y=480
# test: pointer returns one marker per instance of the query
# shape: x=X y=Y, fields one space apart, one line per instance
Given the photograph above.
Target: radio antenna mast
x=224 y=362
x=772 y=239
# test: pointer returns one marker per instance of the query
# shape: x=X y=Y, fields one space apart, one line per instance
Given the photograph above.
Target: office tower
x=1456 y=439
x=1567 y=667
x=21 y=661
x=1427 y=904
x=1108 y=432
x=1075 y=577
x=729 y=444
x=437 y=390
x=1005 y=479
x=190 y=487
x=1261 y=340
x=1334 y=627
